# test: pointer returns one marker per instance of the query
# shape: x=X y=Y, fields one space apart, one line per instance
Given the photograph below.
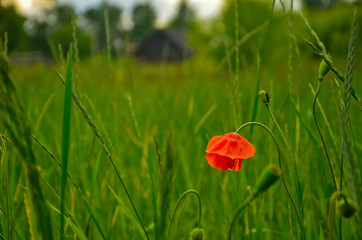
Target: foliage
x=95 y=23
x=143 y=17
x=12 y=23
x=184 y=16
x=63 y=36
x=156 y=120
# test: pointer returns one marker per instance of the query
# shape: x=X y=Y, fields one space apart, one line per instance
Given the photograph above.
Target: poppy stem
x=280 y=166
x=321 y=135
x=177 y=205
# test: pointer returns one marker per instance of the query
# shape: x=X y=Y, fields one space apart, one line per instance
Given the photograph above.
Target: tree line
x=56 y=26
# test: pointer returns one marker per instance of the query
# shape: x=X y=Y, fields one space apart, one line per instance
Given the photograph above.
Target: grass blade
x=346 y=141
x=105 y=149
x=87 y=205
x=204 y=118
x=166 y=183
x=3 y=154
x=66 y=136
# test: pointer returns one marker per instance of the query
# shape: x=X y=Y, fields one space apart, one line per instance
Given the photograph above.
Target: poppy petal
x=223 y=163
x=237 y=165
x=231 y=145
x=212 y=141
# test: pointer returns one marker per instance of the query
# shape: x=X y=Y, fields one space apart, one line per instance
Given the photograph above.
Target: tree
x=12 y=23
x=62 y=14
x=41 y=27
x=185 y=15
x=64 y=36
x=96 y=23
x=143 y=17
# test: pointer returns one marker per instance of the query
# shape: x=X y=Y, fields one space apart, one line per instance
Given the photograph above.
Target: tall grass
x=119 y=182
x=14 y=121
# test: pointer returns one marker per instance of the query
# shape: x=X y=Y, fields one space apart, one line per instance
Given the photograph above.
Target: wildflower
x=227 y=152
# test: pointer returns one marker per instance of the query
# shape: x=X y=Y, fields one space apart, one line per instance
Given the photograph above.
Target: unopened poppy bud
x=265 y=98
x=267 y=178
x=197 y=234
x=346 y=207
x=323 y=69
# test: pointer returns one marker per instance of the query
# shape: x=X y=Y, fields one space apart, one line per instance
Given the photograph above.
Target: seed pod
x=265 y=98
x=323 y=69
x=197 y=234
x=267 y=178
x=346 y=207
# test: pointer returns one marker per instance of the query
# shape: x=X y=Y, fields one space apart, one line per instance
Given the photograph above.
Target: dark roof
x=165 y=45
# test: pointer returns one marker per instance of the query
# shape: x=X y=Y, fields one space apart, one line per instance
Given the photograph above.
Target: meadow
x=145 y=127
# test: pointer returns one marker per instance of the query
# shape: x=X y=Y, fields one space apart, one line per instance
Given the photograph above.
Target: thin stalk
x=154 y=200
x=295 y=172
x=260 y=59
x=241 y=208
x=6 y=186
x=74 y=184
x=66 y=137
x=237 y=62
x=178 y=203
x=280 y=166
x=340 y=189
x=321 y=136
x=336 y=195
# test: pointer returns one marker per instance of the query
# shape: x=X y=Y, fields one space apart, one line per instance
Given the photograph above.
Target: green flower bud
x=267 y=178
x=197 y=234
x=323 y=69
x=265 y=98
x=346 y=207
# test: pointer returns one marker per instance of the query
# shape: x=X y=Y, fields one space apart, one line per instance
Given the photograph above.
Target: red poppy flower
x=227 y=152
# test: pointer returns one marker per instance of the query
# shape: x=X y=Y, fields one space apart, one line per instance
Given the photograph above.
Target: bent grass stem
x=295 y=172
x=321 y=136
x=178 y=203
x=280 y=166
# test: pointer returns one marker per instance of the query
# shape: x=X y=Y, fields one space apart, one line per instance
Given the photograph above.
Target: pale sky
x=164 y=8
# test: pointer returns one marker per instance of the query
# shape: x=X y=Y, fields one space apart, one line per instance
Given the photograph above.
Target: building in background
x=164 y=45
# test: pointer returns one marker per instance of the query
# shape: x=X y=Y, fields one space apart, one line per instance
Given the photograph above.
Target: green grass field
x=155 y=121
